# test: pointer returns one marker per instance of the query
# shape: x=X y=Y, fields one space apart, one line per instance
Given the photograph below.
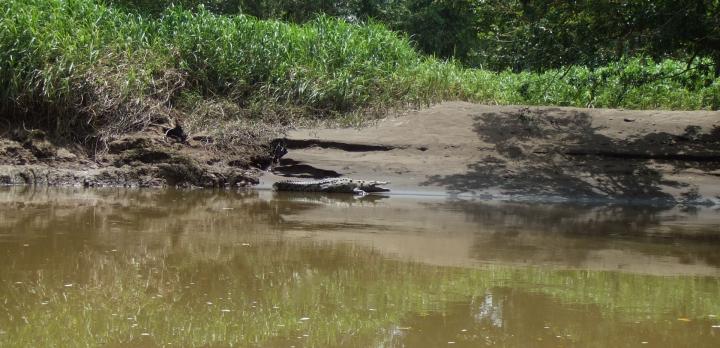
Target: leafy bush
x=84 y=69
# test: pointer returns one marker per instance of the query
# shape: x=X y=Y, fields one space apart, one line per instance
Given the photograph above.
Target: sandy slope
x=523 y=152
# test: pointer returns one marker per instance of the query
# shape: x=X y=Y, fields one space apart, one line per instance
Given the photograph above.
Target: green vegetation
x=521 y=35
x=90 y=71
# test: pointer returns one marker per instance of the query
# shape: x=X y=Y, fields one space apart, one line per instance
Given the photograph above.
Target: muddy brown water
x=117 y=267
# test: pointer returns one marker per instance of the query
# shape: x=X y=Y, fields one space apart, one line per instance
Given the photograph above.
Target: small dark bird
x=177 y=133
x=279 y=149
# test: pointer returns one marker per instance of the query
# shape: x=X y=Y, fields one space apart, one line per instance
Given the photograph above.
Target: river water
x=165 y=268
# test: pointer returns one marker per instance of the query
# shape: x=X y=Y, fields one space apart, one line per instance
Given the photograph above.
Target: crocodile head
x=372 y=185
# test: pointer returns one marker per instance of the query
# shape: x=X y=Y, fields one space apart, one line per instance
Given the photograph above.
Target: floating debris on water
x=304 y=318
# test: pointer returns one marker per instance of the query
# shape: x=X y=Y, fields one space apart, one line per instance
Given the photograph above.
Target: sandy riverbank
x=522 y=152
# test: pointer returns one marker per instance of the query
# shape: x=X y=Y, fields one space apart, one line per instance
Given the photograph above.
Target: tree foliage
x=543 y=34
x=513 y=34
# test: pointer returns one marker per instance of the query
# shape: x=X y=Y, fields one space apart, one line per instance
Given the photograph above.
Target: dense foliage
x=84 y=63
x=548 y=34
x=84 y=68
x=516 y=34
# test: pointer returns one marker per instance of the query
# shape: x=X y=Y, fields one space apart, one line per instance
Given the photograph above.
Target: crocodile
x=334 y=185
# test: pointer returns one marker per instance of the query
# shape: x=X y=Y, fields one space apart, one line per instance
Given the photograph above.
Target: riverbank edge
x=139 y=178
x=154 y=158
x=149 y=158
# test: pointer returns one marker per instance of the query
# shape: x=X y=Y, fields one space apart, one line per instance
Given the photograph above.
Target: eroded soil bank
x=154 y=157
x=515 y=152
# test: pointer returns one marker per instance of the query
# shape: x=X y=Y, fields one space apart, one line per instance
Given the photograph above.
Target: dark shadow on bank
x=554 y=152
x=295 y=169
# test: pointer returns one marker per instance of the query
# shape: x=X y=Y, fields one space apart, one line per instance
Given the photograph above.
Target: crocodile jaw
x=373 y=186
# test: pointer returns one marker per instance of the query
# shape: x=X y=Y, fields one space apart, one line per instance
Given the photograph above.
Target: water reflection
x=193 y=268
x=506 y=317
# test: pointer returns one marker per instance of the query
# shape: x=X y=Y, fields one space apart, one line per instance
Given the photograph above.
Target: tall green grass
x=83 y=68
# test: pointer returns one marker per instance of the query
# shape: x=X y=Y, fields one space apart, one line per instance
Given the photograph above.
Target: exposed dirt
x=505 y=152
x=515 y=152
x=154 y=157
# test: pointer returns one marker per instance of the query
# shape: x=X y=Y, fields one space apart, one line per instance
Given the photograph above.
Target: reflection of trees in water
x=502 y=317
x=69 y=232
x=570 y=232
x=208 y=260
x=54 y=222
x=58 y=210
x=64 y=221
x=518 y=318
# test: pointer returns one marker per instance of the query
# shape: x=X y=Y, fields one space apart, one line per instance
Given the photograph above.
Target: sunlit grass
x=81 y=67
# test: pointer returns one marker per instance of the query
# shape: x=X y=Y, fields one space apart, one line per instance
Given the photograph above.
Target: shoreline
x=454 y=150
x=523 y=153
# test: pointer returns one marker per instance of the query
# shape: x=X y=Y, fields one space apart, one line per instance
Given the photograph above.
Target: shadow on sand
x=554 y=152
